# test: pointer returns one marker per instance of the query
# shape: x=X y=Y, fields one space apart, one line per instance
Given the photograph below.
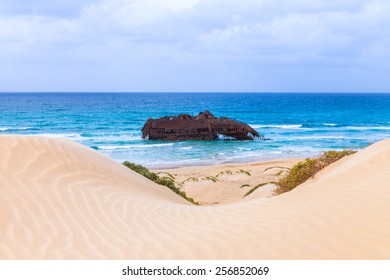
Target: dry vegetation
x=307 y=169
x=297 y=175
x=167 y=180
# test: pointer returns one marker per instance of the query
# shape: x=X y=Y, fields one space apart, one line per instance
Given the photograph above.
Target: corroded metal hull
x=205 y=126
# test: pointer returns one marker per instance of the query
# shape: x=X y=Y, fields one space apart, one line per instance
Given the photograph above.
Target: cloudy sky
x=195 y=45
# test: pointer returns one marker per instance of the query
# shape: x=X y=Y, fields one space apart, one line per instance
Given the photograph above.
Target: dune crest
x=61 y=200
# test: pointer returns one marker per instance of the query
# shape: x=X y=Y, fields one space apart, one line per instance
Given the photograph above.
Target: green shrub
x=142 y=170
x=332 y=156
x=165 y=181
x=302 y=171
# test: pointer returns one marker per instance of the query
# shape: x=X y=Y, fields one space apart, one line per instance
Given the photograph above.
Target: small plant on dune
x=224 y=172
x=245 y=172
x=256 y=187
x=302 y=171
x=165 y=181
x=201 y=178
x=167 y=174
x=231 y=172
x=279 y=167
x=212 y=178
x=195 y=179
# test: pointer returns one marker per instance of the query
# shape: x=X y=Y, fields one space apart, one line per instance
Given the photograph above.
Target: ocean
x=295 y=124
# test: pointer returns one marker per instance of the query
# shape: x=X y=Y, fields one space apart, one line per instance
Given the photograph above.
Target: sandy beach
x=227 y=183
x=62 y=200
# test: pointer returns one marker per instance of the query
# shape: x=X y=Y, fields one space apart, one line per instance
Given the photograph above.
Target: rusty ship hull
x=205 y=126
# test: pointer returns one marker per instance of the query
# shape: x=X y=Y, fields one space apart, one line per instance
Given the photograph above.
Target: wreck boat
x=205 y=126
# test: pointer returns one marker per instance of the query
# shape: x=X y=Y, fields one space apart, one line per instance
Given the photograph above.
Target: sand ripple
x=61 y=200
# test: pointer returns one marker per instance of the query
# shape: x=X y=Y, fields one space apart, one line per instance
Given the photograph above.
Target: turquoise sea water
x=298 y=125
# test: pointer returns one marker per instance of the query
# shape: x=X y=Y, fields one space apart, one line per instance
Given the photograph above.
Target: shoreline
x=242 y=161
x=234 y=163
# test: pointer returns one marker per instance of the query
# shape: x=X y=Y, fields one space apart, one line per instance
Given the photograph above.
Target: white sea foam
x=111 y=137
x=329 y=124
x=282 y=126
x=318 y=137
x=125 y=147
x=153 y=145
x=72 y=136
x=83 y=137
x=186 y=148
x=367 y=127
x=224 y=137
x=300 y=127
x=114 y=147
x=14 y=128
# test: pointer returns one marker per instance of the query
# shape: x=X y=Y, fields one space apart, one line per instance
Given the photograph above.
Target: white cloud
x=57 y=8
x=166 y=38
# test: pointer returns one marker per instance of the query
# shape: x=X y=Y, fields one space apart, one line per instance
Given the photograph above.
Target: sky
x=195 y=45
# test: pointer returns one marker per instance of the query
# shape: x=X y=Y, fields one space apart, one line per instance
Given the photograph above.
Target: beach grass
x=167 y=181
x=256 y=187
x=232 y=172
x=199 y=179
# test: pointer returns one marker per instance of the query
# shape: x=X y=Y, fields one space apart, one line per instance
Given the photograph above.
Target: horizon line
x=212 y=92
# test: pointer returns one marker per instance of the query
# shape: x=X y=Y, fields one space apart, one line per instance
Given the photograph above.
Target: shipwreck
x=205 y=126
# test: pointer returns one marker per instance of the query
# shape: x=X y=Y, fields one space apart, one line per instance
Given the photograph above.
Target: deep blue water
x=298 y=125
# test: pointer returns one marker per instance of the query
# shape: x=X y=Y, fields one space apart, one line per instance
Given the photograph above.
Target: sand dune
x=60 y=200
